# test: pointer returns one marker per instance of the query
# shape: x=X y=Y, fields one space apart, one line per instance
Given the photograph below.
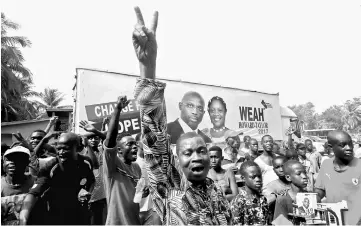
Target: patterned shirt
x=176 y=200
x=248 y=211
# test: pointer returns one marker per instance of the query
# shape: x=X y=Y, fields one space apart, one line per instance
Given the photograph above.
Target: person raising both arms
x=181 y=192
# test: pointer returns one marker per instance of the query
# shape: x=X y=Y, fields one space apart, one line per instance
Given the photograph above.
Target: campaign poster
x=306 y=204
x=210 y=110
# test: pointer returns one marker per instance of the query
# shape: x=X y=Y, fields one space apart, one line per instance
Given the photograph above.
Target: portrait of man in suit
x=191 y=114
x=305 y=210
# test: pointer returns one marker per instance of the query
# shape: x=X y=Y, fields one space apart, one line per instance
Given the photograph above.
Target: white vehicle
x=254 y=113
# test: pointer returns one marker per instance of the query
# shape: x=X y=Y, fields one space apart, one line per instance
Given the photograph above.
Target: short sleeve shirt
x=342 y=185
x=62 y=188
x=120 y=181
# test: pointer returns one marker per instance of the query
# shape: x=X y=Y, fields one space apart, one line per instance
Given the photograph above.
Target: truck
x=254 y=113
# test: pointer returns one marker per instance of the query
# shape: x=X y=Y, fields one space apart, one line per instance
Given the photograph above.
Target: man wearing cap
x=191 y=114
x=61 y=179
x=15 y=184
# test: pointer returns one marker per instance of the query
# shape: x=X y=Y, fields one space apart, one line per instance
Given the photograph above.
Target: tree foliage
x=346 y=117
x=51 y=98
x=16 y=79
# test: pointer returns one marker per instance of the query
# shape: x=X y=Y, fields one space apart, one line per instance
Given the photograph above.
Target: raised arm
x=85 y=125
x=104 y=123
x=148 y=92
x=111 y=137
x=289 y=141
x=44 y=141
x=110 y=151
x=145 y=45
x=51 y=124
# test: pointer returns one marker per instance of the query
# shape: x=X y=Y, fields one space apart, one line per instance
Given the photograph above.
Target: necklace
x=219 y=130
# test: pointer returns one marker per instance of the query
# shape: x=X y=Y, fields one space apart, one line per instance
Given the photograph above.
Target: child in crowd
x=295 y=173
x=277 y=186
x=328 y=153
x=291 y=154
x=250 y=206
x=301 y=151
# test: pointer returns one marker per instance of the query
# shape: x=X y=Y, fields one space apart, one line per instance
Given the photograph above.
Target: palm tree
x=352 y=114
x=16 y=79
x=51 y=98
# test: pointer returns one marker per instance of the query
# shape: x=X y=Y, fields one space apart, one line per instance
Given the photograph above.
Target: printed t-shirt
x=273 y=188
x=62 y=187
x=120 y=181
x=12 y=198
x=342 y=185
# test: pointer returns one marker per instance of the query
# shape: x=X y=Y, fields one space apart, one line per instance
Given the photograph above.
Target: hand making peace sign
x=144 y=42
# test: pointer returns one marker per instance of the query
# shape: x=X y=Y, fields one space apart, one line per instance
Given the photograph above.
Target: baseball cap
x=232 y=133
x=17 y=149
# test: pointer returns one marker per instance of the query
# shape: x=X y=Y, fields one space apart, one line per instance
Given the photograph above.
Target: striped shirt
x=176 y=201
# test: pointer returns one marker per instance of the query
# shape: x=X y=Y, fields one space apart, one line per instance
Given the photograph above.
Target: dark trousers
x=98 y=212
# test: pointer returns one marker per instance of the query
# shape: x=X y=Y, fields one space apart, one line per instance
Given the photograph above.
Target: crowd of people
x=105 y=178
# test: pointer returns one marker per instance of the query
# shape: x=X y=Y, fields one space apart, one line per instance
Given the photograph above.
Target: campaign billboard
x=207 y=109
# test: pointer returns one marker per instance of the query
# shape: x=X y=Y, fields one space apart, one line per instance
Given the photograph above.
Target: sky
x=303 y=50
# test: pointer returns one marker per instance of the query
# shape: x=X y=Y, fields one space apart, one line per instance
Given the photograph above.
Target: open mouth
x=198 y=169
x=258 y=185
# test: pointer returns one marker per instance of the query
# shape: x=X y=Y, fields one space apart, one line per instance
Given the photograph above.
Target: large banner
x=209 y=110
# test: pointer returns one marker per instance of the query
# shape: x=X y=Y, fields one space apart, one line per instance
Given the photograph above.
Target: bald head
x=70 y=138
x=68 y=146
x=342 y=145
x=335 y=136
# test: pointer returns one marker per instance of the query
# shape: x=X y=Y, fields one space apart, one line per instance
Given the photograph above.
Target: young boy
x=295 y=173
x=301 y=151
x=250 y=206
x=224 y=178
x=280 y=185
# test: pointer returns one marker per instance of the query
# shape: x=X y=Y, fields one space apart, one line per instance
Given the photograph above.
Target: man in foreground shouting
x=181 y=191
